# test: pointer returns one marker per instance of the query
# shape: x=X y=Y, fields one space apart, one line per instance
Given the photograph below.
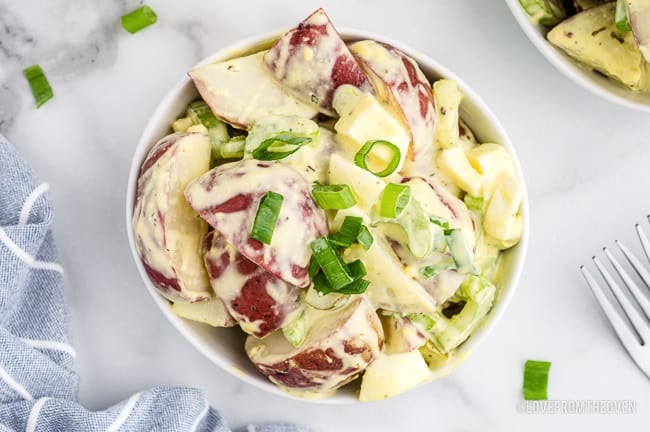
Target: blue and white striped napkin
x=38 y=383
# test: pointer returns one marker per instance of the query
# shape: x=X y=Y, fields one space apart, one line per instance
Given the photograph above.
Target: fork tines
x=636 y=341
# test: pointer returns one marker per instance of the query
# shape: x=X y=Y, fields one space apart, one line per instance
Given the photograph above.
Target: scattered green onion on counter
x=333 y=197
x=280 y=146
x=394 y=200
x=138 y=19
x=266 y=217
x=536 y=380
x=39 y=84
x=361 y=156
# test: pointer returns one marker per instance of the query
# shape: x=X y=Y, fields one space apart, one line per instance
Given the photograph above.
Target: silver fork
x=637 y=345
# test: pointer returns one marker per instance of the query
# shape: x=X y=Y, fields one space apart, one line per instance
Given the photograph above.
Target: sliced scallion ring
x=39 y=84
x=332 y=265
x=280 y=146
x=362 y=155
x=364 y=237
x=138 y=19
x=333 y=197
x=394 y=200
x=348 y=233
x=536 y=380
x=200 y=113
x=358 y=286
x=266 y=217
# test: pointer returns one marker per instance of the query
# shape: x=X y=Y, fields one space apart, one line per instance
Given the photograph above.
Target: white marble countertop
x=585 y=162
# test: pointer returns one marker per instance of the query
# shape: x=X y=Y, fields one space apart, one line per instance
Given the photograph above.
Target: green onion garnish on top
x=355 y=270
x=138 y=19
x=332 y=265
x=348 y=233
x=352 y=231
x=474 y=203
x=38 y=83
x=536 y=380
x=364 y=237
x=362 y=155
x=333 y=197
x=280 y=146
x=394 y=200
x=267 y=215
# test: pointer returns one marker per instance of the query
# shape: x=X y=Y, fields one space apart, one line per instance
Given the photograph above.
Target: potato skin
x=167 y=231
x=339 y=346
x=260 y=302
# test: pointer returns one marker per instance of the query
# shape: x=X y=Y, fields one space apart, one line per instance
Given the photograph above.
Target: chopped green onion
x=200 y=113
x=233 y=149
x=362 y=155
x=394 y=200
x=333 y=197
x=321 y=284
x=474 y=203
x=348 y=232
x=313 y=268
x=296 y=331
x=358 y=286
x=460 y=253
x=442 y=223
x=621 y=19
x=364 y=237
x=536 y=380
x=38 y=83
x=266 y=217
x=138 y=19
x=435 y=269
x=280 y=146
x=331 y=263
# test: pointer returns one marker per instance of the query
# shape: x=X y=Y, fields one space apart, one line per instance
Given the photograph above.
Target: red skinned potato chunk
x=311 y=61
x=228 y=197
x=398 y=80
x=339 y=345
x=259 y=301
x=167 y=231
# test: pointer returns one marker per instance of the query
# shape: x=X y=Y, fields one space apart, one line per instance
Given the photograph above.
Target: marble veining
x=585 y=163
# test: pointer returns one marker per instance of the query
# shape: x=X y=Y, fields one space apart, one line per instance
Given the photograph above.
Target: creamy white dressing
x=268 y=84
x=355 y=326
x=167 y=230
x=240 y=91
x=289 y=245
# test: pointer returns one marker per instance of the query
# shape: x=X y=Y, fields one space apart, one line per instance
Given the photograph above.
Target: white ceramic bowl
x=575 y=71
x=225 y=347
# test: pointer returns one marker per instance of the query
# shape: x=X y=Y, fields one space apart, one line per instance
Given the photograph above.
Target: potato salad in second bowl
x=326 y=198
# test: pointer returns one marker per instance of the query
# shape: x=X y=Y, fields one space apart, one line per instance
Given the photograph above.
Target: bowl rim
x=571 y=68
x=147 y=139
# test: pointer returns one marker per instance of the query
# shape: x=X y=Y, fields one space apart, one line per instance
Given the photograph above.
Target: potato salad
x=610 y=37
x=328 y=200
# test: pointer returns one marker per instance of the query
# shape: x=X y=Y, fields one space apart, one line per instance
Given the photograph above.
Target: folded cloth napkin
x=38 y=384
